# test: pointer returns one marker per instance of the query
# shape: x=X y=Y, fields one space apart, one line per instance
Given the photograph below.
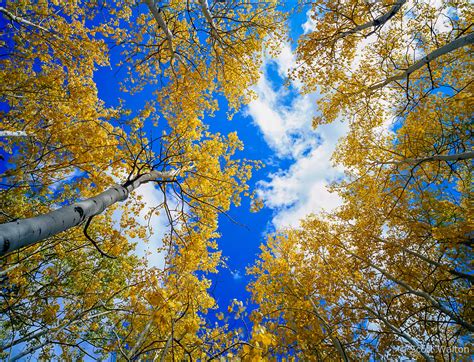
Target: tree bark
x=381 y=20
x=13 y=133
x=435 y=303
x=17 y=234
x=30 y=350
x=332 y=336
x=433 y=262
x=140 y=340
x=42 y=332
x=161 y=23
x=207 y=14
x=445 y=49
x=453 y=157
x=402 y=334
x=25 y=22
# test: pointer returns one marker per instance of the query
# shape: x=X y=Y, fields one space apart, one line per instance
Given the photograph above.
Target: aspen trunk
x=454 y=157
x=207 y=13
x=445 y=49
x=156 y=12
x=13 y=134
x=381 y=20
x=402 y=334
x=17 y=234
x=333 y=337
x=20 y=20
x=435 y=303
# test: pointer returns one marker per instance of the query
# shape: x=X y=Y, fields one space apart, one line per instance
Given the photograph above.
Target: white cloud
x=281 y=116
x=284 y=117
x=67 y=177
x=302 y=189
x=285 y=60
x=236 y=274
x=158 y=226
x=310 y=24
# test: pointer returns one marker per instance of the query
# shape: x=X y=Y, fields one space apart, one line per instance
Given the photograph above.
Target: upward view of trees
x=83 y=292
x=387 y=275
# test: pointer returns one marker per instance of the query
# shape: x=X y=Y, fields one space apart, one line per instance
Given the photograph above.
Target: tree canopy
x=385 y=275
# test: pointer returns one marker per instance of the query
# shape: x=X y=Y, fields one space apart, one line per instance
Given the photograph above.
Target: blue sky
x=275 y=128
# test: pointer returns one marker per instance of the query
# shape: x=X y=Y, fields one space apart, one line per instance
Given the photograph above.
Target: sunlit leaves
x=76 y=146
x=388 y=274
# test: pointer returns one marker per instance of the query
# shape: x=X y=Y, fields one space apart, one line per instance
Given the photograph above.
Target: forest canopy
x=331 y=219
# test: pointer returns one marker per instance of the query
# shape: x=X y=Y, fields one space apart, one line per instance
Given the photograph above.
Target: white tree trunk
x=17 y=234
x=435 y=303
x=156 y=12
x=13 y=134
x=381 y=20
x=445 y=49
x=454 y=157
x=207 y=14
x=402 y=334
x=332 y=336
x=23 y=21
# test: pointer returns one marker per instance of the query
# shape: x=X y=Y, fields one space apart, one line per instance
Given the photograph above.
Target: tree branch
x=208 y=16
x=376 y=23
x=13 y=134
x=156 y=11
x=454 y=157
x=20 y=20
x=17 y=234
x=93 y=241
x=445 y=49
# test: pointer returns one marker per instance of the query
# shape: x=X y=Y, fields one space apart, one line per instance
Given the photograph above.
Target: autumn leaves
x=386 y=275
x=61 y=296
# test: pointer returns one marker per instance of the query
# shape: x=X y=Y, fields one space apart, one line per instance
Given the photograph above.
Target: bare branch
x=418 y=161
x=13 y=134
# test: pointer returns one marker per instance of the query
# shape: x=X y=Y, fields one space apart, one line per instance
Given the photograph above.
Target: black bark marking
x=79 y=210
x=6 y=245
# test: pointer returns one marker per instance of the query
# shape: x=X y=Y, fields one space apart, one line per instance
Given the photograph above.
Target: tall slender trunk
x=17 y=234
x=13 y=134
x=454 y=157
x=397 y=331
x=29 y=350
x=445 y=49
x=38 y=334
x=435 y=303
x=332 y=335
x=156 y=12
x=141 y=339
x=432 y=262
x=401 y=333
x=376 y=23
x=23 y=21
x=207 y=14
